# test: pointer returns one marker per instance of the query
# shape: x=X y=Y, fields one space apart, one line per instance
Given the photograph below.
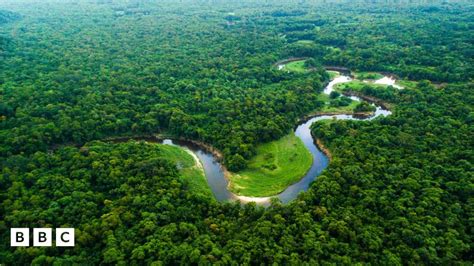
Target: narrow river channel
x=219 y=184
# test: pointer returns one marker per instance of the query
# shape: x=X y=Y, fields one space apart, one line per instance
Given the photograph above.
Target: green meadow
x=277 y=165
x=333 y=74
x=189 y=167
x=356 y=85
x=305 y=42
x=368 y=75
x=406 y=83
x=296 y=66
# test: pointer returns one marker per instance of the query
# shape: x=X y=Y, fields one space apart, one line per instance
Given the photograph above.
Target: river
x=215 y=173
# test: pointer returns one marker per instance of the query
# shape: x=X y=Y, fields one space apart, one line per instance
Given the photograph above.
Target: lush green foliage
x=189 y=167
x=224 y=92
x=357 y=85
x=410 y=172
x=398 y=190
x=7 y=16
x=364 y=107
x=5 y=44
x=368 y=75
x=296 y=66
x=115 y=195
x=337 y=103
x=277 y=165
x=334 y=94
x=411 y=40
x=333 y=74
x=379 y=91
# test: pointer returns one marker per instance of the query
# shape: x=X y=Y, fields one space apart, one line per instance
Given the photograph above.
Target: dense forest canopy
x=398 y=190
x=7 y=16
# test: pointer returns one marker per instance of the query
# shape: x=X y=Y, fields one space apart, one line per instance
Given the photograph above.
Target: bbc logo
x=42 y=237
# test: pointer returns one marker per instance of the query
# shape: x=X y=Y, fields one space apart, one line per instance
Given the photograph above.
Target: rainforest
x=238 y=132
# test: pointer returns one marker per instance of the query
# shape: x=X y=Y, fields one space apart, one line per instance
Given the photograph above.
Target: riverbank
x=189 y=167
x=297 y=176
x=319 y=151
x=289 y=60
x=282 y=63
x=186 y=161
x=161 y=137
x=321 y=147
x=370 y=99
x=310 y=116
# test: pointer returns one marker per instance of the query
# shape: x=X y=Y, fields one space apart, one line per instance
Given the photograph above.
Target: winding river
x=215 y=173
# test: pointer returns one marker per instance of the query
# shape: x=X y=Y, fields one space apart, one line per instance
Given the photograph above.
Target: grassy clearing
x=368 y=75
x=190 y=169
x=346 y=109
x=406 y=83
x=371 y=76
x=305 y=42
x=277 y=165
x=296 y=66
x=356 y=85
x=333 y=74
